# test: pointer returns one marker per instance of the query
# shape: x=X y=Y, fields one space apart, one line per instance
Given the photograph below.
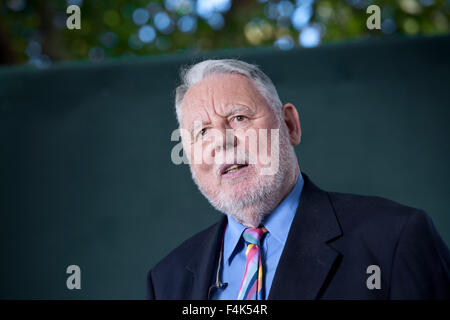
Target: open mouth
x=230 y=168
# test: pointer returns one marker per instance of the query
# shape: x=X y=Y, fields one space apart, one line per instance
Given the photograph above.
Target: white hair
x=199 y=71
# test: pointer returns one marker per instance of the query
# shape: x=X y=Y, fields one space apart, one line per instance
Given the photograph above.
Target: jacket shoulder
x=401 y=240
x=373 y=222
x=354 y=209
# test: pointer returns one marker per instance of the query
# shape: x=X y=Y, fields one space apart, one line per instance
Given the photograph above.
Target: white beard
x=253 y=204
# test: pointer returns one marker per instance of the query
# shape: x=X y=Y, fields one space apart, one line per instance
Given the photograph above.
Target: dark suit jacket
x=333 y=238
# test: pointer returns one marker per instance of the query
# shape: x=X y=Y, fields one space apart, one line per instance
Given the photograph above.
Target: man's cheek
x=270 y=153
x=263 y=153
x=205 y=171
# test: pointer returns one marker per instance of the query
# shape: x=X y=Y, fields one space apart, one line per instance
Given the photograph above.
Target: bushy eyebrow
x=238 y=109
x=191 y=131
x=233 y=110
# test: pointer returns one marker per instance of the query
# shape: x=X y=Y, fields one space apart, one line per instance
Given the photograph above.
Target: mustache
x=232 y=156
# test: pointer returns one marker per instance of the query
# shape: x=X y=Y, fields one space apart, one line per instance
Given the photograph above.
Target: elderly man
x=281 y=237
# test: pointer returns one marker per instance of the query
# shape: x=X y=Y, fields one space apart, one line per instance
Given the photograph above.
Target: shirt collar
x=277 y=223
x=232 y=237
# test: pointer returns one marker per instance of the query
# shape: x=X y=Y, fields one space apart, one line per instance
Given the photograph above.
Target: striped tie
x=252 y=281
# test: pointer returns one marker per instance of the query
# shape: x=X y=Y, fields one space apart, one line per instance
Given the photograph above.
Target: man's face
x=211 y=109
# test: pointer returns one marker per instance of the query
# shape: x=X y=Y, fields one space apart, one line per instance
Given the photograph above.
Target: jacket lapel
x=203 y=263
x=307 y=259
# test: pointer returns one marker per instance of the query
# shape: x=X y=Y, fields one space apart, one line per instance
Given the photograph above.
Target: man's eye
x=200 y=133
x=239 y=118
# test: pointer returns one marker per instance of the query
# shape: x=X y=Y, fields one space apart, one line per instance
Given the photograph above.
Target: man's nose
x=224 y=140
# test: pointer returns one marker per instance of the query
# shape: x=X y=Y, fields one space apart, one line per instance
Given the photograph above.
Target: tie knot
x=254 y=235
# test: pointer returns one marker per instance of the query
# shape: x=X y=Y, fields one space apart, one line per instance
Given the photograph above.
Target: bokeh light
x=427 y=3
x=182 y=7
x=109 y=39
x=388 y=26
x=206 y=8
x=310 y=36
x=216 y=21
x=163 y=22
x=134 y=42
x=147 y=34
x=133 y=27
x=360 y=4
x=16 y=5
x=285 y=42
x=187 y=24
x=411 y=26
x=96 y=54
x=140 y=16
x=410 y=6
x=33 y=49
x=75 y=2
x=258 y=31
x=301 y=16
x=285 y=8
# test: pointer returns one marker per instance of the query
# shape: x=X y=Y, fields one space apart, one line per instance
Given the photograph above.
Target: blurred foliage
x=35 y=32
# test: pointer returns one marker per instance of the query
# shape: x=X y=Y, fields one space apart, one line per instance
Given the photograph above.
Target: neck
x=292 y=180
x=256 y=214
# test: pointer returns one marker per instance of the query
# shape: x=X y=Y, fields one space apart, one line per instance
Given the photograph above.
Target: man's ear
x=292 y=121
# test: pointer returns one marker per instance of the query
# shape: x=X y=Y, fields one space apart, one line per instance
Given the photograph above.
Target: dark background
x=87 y=177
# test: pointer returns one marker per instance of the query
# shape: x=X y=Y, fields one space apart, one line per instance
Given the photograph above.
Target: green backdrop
x=86 y=175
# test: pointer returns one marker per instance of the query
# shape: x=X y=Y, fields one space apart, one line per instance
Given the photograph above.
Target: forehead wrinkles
x=200 y=106
x=214 y=95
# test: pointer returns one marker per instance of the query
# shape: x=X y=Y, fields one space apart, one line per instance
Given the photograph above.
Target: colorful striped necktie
x=251 y=286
